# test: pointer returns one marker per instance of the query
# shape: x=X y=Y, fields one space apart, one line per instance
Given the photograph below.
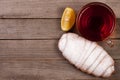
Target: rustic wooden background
x=29 y=33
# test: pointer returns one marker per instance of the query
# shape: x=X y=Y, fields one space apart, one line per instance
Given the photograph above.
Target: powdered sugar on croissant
x=86 y=55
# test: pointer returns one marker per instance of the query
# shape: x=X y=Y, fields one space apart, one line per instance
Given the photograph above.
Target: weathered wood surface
x=42 y=49
x=29 y=59
x=46 y=70
x=29 y=33
x=46 y=8
x=37 y=29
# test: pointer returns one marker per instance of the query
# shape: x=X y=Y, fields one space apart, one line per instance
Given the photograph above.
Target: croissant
x=86 y=55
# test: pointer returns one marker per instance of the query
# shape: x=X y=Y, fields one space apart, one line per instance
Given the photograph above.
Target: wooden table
x=29 y=33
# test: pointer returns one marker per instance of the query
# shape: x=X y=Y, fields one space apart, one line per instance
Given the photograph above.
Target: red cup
x=95 y=21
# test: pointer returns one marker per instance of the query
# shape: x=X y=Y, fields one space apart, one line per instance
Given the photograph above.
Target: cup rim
x=82 y=9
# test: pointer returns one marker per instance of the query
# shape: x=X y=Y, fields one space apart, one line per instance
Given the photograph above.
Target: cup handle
x=109 y=42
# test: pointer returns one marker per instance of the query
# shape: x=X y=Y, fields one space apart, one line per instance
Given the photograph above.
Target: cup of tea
x=96 y=21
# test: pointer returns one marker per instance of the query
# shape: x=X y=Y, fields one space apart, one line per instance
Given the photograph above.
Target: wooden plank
x=39 y=49
x=29 y=49
x=47 y=70
x=30 y=28
x=36 y=29
x=46 y=8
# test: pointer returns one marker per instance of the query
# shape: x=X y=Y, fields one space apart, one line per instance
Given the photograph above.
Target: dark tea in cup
x=95 y=21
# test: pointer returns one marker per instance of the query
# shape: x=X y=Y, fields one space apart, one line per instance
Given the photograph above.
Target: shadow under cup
x=95 y=21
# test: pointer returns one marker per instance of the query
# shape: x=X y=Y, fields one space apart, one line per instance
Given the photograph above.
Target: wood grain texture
x=42 y=49
x=30 y=28
x=36 y=29
x=46 y=8
x=47 y=70
x=29 y=33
